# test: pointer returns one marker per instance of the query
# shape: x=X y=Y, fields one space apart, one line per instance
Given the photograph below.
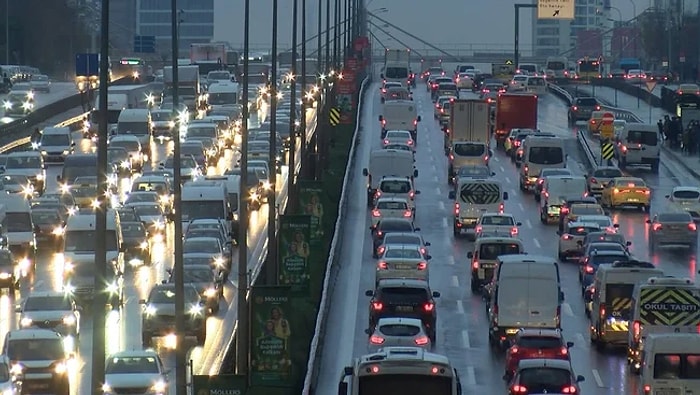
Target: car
x=10 y=384
x=435 y=86
x=688 y=89
x=660 y=76
x=513 y=148
x=189 y=168
x=132 y=145
x=390 y=225
x=626 y=191
x=51 y=225
x=595 y=121
x=40 y=83
x=402 y=261
x=196 y=226
x=635 y=76
x=29 y=164
x=18 y=103
x=118 y=158
x=673 y=229
x=40 y=358
x=485 y=258
x=158 y=317
x=544 y=376
x=602 y=236
x=432 y=72
x=404 y=298
x=566 y=207
x=599 y=246
x=518 y=83
x=686 y=198
x=572 y=236
x=577 y=209
x=127 y=214
x=388 y=85
x=413 y=238
x=464 y=81
x=140 y=197
x=137 y=244
x=209 y=284
x=152 y=215
x=65 y=207
x=496 y=224
x=397 y=93
x=617 y=74
x=600 y=176
x=399 y=136
x=10 y=272
x=605 y=223
x=130 y=372
x=536 y=344
x=84 y=191
x=398 y=332
x=582 y=108
x=390 y=207
x=491 y=97
x=474 y=171
x=209 y=247
x=439 y=109
x=589 y=264
x=50 y=310
x=543 y=175
x=17 y=184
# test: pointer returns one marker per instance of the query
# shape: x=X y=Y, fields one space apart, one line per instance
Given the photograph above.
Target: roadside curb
x=679 y=159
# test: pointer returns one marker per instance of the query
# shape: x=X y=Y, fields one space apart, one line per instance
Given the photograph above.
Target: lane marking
x=580 y=340
x=435 y=178
x=522 y=208
x=471 y=376
x=567 y=309
x=508 y=181
x=537 y=243
x=450 y=260
x=434 y=167
x=455 y=281
x=444 y=222
x=460 y=307
x=465 y=339
x=502 y=169
x=441 y=205
x=598 y=380
x=528 y=224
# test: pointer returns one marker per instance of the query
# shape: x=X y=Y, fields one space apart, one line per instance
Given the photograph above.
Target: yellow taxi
x=595 y=121
x=626 y=191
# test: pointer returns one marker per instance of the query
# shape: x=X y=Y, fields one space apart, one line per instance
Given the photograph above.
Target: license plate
x=633 y=200
x=404 y=267
x=482 y=273
x=511 y=331
x=404 y=309
x=667 y=391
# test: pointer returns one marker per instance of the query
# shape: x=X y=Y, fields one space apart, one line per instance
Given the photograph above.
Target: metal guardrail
x=315 y=349
x=74 y=124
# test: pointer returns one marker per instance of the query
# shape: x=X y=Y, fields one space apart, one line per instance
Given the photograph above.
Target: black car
x=9 y=275
x=209 y=284
x=388 y=225
x=158 y=317
x=136 y=244
x=404 y=298
x=596 y=237
x=596 y=258
x=660 y=76
x=582 y=108
x=617 y=74
x=128 y=214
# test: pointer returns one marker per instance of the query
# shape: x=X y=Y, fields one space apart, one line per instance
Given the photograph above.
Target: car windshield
x=36 y=349
x=631 y=183
x=466 y=149
x=18 y=222
x=55 y=140
x=674 y=217
x=554 y=172
x=133 y=229
x=394 y=238
x=582 y=230
x=404 y=295
x=194 y=209
x=132 y=365
x=199 y=275
x=117 y=155
x=186 y=162
x=607 y=173
x=193 y=149
x=215 y=233
x=546 y=155
x=219 y=75
x=399 y=330
x=396 y=72
x=85 y=240
x=141 y=198
x=598 y=259
x=128 y=215
x=200 y=131
x=131 y=146
x=23 y=162
x=397 y=134
x=166 y=295
x=498 y=220
x=587 y=102
x=491 y=251
x=544 y=379
x=197 y=260
x=402 y=253
x=473 y=171
x=45 y=303
x=200 y=247
x=46 y=217
x=395 y=226
x=158 y=187
x=643 y=137
x=148 y=210
x=539 y=342
x=397 y=186
x=686 y=194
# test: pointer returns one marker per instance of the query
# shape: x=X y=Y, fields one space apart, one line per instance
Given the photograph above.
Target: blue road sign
x=87 y=64
x=144 y=44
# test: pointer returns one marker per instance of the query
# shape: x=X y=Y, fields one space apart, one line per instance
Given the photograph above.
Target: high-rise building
x=122 y=25
x=196 y=23
x=551 y=37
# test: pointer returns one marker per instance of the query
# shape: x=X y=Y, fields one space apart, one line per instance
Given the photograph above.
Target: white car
x=495 y=224
x=152 y=216
x=518 y=83
x=606 y=223
x=464 y=81
x=397 y=137
x=130 y=372
x=9 y=384
x=402 y=261
x=571 y=239
x=40 y=83
x=132 y=145
x=686 y=199
x=391 y=207
x=398 y=331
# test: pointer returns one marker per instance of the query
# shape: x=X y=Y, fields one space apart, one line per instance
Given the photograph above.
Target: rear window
x=491 y=251
x=402 y=253
x=535 y=82
x=469 y=149
x=546 y=155
x=589 y=101
x=395 y=187
x=396 y=226
x=497 y=220
x=581 y=230
x=444 y=87
x=607 y=173
x=677 y=366
x=401 y=239
x=631 y=183
x=534 y=378
x=642 y=137
x=396 y=72
x=607 y=237
x=587 y=210
x=399 y=330
x=539 y=342
x=404 y=294
x=391 y=205
x=686 y=195
x=675 y=217
x=602 y=259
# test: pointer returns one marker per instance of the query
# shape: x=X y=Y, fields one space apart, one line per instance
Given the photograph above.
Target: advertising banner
x=311 y=204
x=294 y=250
x=229 y=384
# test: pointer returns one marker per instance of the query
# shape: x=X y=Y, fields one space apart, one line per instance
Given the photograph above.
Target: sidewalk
x=641 y=110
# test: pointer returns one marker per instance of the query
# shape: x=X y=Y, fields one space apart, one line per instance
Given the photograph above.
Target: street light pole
x=271 y=272
x=291 y=193
x=7 y=32
x=242 y=338
x=319 y=36
x=336 y=33
x=328 y=37
x=101 y=281
x=302 y=121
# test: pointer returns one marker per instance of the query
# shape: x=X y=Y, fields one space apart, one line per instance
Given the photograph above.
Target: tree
x=653 y=34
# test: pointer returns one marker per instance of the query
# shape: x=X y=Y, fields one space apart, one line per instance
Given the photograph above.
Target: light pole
x=291 y=201
x=319 y=36
x=7 y=32
x=271 y=272
x=302 y=121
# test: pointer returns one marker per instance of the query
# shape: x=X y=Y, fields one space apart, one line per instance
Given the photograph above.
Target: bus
x=399 y=371
x=558 y=67
x=588 y=69
x=134 y=67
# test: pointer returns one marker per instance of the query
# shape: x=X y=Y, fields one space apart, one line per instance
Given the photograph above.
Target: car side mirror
x=451 y=195
x=668 y=196
x=142 y=301
x=58 y=177
x=427 y=244
x=416 y=229
x=428 y=257
x=436 y=294
x=369 y=292
x=505 y=195
x=648 y=221
x=365 y=172
x=419 y=118
x=569 y=344
x=629 y=243
x=417 y=192
x=580 y=379
x=415 y=172
x=518 y=224
x=470 y=254
x=493 y=174
x=616 y=226
x=490 y=152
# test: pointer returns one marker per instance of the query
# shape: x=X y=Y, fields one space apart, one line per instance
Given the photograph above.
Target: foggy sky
x=447 y=22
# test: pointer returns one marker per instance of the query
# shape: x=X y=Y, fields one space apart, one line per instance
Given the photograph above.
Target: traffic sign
x=144 y=44
x=555 y=9
x=650 y=86
x=607 y=151
x=606 y=125
x=334 y=116
x=87 y=64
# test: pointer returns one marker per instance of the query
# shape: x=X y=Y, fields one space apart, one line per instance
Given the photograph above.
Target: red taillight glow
x=409 y=142
x=647 y=389
x=564 y=211
x=382 y=265
x=569 y=389
x=575 y=108
x=692 y=227
x=540 y=181
x=637 y=330
x=514 y=231
x=656 y=227
x=602 y=310
x=375 y=369
x=374 y=339
x=376 y=213
x=517 y=143
x=456 y=208
x=616 y=190
x=422 y=266
x=589 y=269
x=381 y=250
x=501 y=208
x=475 y=265
x=478 y=229
x=377 y=305
x=407 y=214
x=429 y=306
x=386 y=141
x=525 y=169
x=564 y=351
x=514 y=350
x=519 y=389
x=437 y=105
x=593 y=180
x=411 y=194
x=597 y=108
x=422 y=340
x=567 y=237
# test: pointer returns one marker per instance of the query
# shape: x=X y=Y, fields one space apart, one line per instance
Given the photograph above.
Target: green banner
x=311 y=198
x=294 y=250
x=271 y=337
x=223 y=384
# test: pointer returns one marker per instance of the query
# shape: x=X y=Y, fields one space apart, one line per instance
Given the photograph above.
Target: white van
x=529 y=69
x=204 y=199
x=540 y=152
x=233 y=188
x=222 y=94
x=136 y=122
x=19 y=229
x=397 y=72
x=525 y=293
x=536 y=85
x=473 y=197
x=400 y=115
x=671 y=364
x=55 y=144
x=484 y=258
x=638 y=144
x=555 y=192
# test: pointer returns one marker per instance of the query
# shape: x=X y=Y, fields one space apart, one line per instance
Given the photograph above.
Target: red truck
x=514 y=111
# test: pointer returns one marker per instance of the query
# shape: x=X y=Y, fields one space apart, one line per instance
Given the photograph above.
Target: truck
x=208 y=56
x=467 y=136
x=397 y=67
x=514 y=111
x=188 y=85
x=387 y=162
x=87 y=71
x=687 y=112
x=119 y=97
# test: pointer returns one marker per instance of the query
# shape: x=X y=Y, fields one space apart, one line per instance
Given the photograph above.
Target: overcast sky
x=444 y=23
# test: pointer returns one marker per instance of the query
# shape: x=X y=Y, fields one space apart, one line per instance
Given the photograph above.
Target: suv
x=536 y=344
x=404 y=298
x=582 y=108
x=39 y=357
x=50 y=310
x=158 y=317
x=590 y=264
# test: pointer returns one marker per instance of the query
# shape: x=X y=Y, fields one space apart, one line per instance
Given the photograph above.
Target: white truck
x=208 y=56
x=468 y=135
x=387 y=162
x=223 y=94
x=119 y=97
x=472 y=198
x=400 y=115
x=189 y=88
x=397 y=66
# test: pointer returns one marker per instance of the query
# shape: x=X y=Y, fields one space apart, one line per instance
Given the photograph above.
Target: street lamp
x=7 y=32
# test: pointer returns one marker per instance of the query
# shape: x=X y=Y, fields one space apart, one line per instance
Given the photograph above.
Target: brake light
x=376 y=213
x=656 y=227
x=478 y=229
x=378 y=193
x=637 y=330
x=495 y=314
x=475 y=265
x=384 y=122
x=525 y=169
x=429 y=306
x=381 y=265
x=540 y=181
x=569 y=389
x=374 y=339
x=514 y=231
x=437 y=105
x=486 y=158
x=501 y=207
x=593 y=180
x=407 y=214
x=422 y=266
x=514 y=350
x=411 y=194
x=575 y=108
x=647 y=389
x=386 y=141
x=597 y=108
x=592 y=120
x=546 y=195
x=456 y=208
x=517 y=143
x=519 y=389
x=422 y=341
x=377 y=305
x=567 y=237
x=564 y=351
x=589 y=269
x=602 y=310
x=380 y=233
x=380 y=250
x=616 y=190
x=692 y=227
x=415 y=122
x=647 y=192
x=409 y=142
x=383 y=90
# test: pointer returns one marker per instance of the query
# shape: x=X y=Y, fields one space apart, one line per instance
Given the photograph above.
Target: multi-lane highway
x=59 y=90
x=462 y=325
x=124 y=326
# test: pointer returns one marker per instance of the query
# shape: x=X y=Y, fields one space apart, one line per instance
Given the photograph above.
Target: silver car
x=406 y=332
x=402 y=261
x=673 y=228
x=404 y=238
x=600 y=176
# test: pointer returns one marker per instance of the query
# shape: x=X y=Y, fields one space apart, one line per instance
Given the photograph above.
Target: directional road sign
x=606 y=126
x=334 y=116
x=607 y=151
x=650 y=86
x=555 y=9
x=87 y=64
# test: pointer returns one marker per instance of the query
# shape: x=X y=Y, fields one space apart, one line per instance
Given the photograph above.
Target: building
x=196 y=23
x=122 y=25
x=626 y=42
x=553 y=37
x=589 y=43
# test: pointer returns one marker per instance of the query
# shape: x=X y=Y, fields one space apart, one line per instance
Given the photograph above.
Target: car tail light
x=383 y=90
x=384 y=122
x=376 y=213
x=514 y=231
x=597 y=108
x=519 y=389
x=411 y=194
x=386 y=141
x=475 y=265
x=564 y=351
x=382 y=265
x=647 y=192
x=422 y=266
x=563 y=211
x=409 y=142
x=575 y=108
x=378 y=193
x=692 y=227
x=407 y=214
x=647 y=389
x=525 y=169
x=593 y=180
x=380 y=250
x=415 y=122
x=429 y=306
x=374 y=339
x=379 y=233
x=437 y=105
x=567 y=237
x=569 y=389
x=593 y=121
x=602 y=310
x=478 y=229
x=636 y=330
x=656 y=227
x=517 y=143
x=456 y=208
x=589 y=269
x=494 y=311
x=540 y=181
x=377 y=305
x=501 y=207
x=422 y=341
x=514 y=350
x=616 y=190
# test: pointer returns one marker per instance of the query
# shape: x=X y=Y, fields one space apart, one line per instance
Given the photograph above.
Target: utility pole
x=100 y=301
x=319 y=36
x=516 y=42
x=178 y=269
x=302 y=121
x=271 y=272
x=242 y=338
x=328 y=37
x=336 y=34
x=291 y=191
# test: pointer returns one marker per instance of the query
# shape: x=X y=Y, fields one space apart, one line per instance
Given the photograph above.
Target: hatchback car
x=544 y=376
x=402 y=261
x=686 y=198
x=536 y=344
x=397 y=331
x=399 y=136
x=495 y=224
x=672 y=229
x=391 y=207
x=582 y=108
x=413 y=238
x=572 y=236
x=600 y=176
x=390 y=225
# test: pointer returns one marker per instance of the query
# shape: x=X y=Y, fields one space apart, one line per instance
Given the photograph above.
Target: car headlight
x=24 y=264
x=64 y=188
x=267 y=185
x=219 y=262
x=58 y=231
x=25 y=322
x=69 y=320
x=5 y=276
x=159 y=386
x=125 y=164
x=27 y=106
x=43 y=152
x=210 y=293
x=254 y=196
x=143 y=245
x=235 y=216
x=164 y=199
x=16 y=369
x=278 y=158
x=159 y=225
x=195 y=310
x=151 y=311
x=171 y=124
x=106 y=388
x=60 y=368
x=40 y=177
x=68 y=289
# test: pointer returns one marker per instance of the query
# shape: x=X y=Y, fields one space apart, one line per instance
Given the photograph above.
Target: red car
x=536 y=344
